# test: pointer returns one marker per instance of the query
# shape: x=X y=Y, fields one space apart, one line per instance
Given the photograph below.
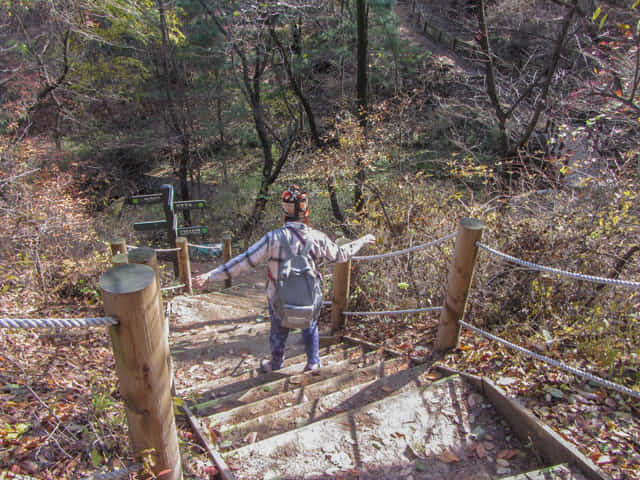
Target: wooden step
x=320 y=401
x=424 y=431
x=306 y=391
x=229 y=385
x=375 y=434
x=285 y=381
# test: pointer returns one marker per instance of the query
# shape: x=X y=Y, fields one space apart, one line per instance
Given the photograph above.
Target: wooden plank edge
x=221 y=465
x=553 y=448
x=475 y=381
x=528 y=427
x=327 y=340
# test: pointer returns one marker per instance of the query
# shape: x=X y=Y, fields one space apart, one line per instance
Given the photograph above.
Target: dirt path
x=408 y=30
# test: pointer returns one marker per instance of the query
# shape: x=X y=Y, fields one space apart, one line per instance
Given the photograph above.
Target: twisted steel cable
x=406 y=250
x=166 y=250
x=576 y=371
x=206 y=247
x=56 y=322
x=394 y=312
x=557 y=271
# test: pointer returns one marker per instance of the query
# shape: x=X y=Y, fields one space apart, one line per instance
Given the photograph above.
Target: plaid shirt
x=268 y=248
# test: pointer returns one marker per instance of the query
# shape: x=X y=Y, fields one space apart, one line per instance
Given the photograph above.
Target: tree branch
x=551 y=71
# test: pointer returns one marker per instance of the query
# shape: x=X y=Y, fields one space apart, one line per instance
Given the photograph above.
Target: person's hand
x=368 y=239
x=200 y=281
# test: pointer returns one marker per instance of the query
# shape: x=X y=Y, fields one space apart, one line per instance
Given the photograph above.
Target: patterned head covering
x=295 y=203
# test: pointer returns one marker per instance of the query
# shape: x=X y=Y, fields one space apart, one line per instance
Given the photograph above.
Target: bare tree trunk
x=250 y=84
x=177 y=121
x=492 y=90
x=362 y=93
x=270 y=168
x=296 y=85
x=507 y=147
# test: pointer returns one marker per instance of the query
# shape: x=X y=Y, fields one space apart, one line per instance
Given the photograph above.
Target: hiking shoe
x=314 y=368
x=267 y=367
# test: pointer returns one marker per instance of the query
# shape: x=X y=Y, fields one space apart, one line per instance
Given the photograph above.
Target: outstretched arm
x=254 y=256
x=342 y=253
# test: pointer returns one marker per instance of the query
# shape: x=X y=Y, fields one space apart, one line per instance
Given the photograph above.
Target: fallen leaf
x=215 y=434
x=386 y=389
x=506 y=381
x=211 y=471
x=508 y=453
x=555 y=392
x=480 y=450
x=604 y=459
x=448 y=457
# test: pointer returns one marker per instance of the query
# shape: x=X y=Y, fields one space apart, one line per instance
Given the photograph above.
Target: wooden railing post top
x=141 y=255
x=181 y=240
x=472 y=223
x=120 y=258
x=126 y=278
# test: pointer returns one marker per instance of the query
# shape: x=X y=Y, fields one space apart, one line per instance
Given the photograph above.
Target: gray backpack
x=298 y=295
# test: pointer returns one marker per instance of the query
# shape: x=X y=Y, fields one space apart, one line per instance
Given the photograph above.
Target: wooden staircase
x=367 y=415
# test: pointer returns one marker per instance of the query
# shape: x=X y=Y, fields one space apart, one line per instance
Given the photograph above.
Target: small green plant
x=101 y=401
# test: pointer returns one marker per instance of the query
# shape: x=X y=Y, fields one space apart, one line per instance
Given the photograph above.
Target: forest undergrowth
x=429 y=157
x=61 y=412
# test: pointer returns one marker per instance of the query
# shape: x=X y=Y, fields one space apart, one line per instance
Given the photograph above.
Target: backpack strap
x=306 y=250
x=284 y=244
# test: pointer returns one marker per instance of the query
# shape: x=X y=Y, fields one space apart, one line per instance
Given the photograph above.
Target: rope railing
x=57 y=322
x=206 y=247
x=166 y=250
x=394 y=312
x=173 y=287
x=157 y=250
x=557 y=271
x=406 y=250
x=550 y=361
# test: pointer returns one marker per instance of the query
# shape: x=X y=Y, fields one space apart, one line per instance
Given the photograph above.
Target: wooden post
x=119 y=259
x=227 y=253
x=118 y=246
x=147 y=256
x=184 y=266
x=458 y=282
x=141 y=349
x=341 y=285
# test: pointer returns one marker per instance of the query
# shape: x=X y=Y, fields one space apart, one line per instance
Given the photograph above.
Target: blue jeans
x=278 y=339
